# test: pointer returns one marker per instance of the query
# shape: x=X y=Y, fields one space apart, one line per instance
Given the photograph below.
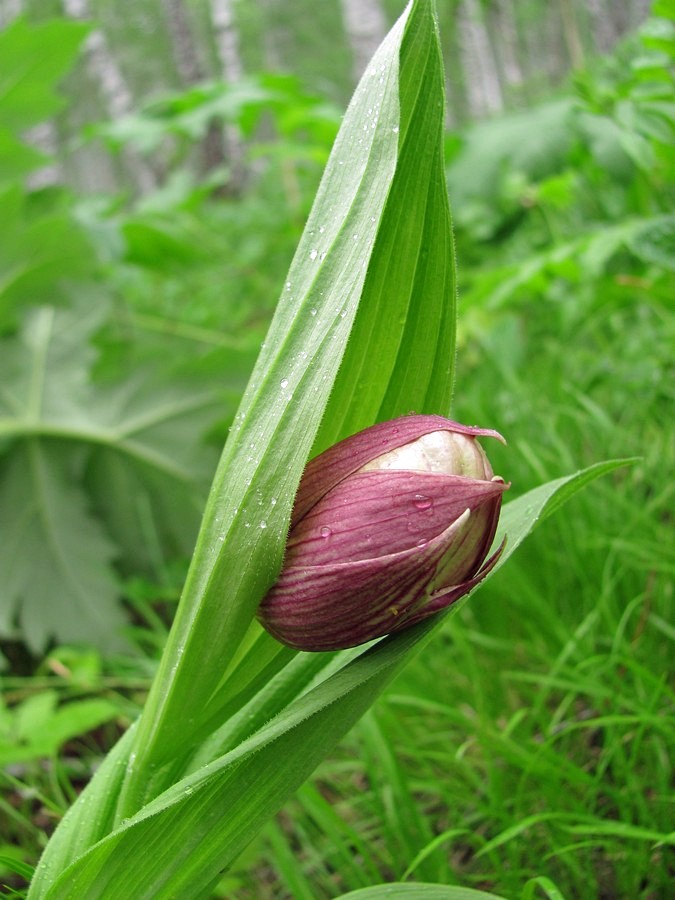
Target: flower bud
x=389 y=526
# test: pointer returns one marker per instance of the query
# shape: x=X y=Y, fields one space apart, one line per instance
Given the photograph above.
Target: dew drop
x=312 y=312
x=325 y=532
x=263 y=524
x=422 y=502
x=313 y=253
x=284 y=383
x=422 y=542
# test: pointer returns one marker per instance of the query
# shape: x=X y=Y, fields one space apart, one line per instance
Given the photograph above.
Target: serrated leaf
x=137 y=442
x=56 y=562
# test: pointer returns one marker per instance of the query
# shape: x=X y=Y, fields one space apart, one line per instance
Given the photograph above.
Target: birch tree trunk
x=482 y=78
x=227 y=45
x=118 y=99
x=611 y=20
x=191 y=70
x=500 y=28
x=366 y=27
x=184 y=50
x=9 y=10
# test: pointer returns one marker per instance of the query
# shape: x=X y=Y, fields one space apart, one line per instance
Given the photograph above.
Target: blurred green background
x=157 y=163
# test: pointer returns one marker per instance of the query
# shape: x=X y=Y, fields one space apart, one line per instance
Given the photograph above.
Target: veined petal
x=333 y=465
x=447 y=596
x=375 y=513
x=328 y=607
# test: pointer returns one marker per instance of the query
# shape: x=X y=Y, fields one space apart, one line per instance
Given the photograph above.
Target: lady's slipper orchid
x=389 y=526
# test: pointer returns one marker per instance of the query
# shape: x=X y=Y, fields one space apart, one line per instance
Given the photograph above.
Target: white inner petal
x=444 y=452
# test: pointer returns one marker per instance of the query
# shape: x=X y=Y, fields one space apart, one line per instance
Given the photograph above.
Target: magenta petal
x=446 y=597
x=382 y=536
x=378 y=513
x=344 y=458
x=329 y=607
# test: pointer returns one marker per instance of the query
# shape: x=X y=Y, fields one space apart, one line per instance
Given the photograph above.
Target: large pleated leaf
x=356 y=268
x=179 y=843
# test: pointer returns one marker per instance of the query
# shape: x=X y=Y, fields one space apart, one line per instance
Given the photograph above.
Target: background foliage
x=528 y=752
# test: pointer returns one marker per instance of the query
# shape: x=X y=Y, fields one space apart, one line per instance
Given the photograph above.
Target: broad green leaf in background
x=16 y=159
x=655 y=242
x=67 y=446
x=54 y=557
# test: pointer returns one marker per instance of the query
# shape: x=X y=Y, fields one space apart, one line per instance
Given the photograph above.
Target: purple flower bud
x=389 y=526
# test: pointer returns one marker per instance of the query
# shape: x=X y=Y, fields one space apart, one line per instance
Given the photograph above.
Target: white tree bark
x=227 y=39
x=366 y=27
x=482 y=78
x=185 y=53
x=611 y=20
x=505 y=27
x=119 y=101
x=9 y=10
x=227 y=44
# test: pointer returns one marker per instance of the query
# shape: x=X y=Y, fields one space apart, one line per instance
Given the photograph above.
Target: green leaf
x=655 y=242
x=16 y=159
x=55 y=558
x=69 y=447
x=200 y=825
x=186 y=811
x=353 y=250
x=411 y=278
x=42 y=250
x=33 y=59
x=38 y=727
x=417 y=891
x=236 y=557
x=521 y=516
